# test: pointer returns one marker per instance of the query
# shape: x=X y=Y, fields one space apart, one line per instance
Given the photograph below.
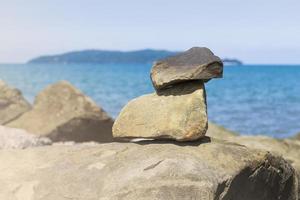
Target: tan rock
x=62 y=113
x=116 y=171
x=12 y=103
x=177 y=113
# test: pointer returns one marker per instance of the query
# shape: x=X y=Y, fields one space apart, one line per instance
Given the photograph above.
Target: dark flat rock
x=198 y=63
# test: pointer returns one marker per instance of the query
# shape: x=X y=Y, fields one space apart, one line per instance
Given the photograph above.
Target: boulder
x=195 y=64
x=199 y=170
x=12 y=103
x=297 y=136
x=287 y=148
x=12 y=138
x=63 y=113
x=219 y=132
x=177 y=113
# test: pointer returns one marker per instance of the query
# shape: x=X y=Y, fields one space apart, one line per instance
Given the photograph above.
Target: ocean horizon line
x=91 y=63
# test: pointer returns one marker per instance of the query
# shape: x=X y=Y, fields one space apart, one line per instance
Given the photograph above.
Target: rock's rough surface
x=177 y=113
x=287 y=148
x=62 y=113
x=210 y=171
x=11 y=138
x=12 y=103
x=194 y=64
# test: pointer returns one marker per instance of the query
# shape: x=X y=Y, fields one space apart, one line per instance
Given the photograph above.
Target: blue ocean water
x=249 y=99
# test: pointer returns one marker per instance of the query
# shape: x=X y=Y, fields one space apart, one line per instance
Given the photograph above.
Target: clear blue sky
x=256 y=31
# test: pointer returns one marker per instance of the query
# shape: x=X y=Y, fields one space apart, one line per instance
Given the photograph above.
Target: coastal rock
x=219 y=132
x=195 y=64
x=177 y=113
x=62 y=113
x=287 y=148
x=297 y=136
x=11 y=138
x=12 y=103
x=115 y=171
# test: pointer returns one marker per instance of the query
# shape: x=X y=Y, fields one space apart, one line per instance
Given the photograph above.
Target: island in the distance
x=145 y=56
x=228 y=61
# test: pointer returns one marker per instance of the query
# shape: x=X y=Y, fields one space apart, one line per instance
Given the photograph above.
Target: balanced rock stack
x=177 y=110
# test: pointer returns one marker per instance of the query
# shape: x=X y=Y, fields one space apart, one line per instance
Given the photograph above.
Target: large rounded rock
x=195 y=64
x=297 y=136
x=12 y=138
x=177 y=113
x=12 y=103
x=219 y=132
x=62 y=113
x=287 y=148
x=211 y=170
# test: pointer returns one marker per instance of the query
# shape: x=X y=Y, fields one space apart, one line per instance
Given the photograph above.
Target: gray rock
x=11 y=138
x=12 y=103
x=194 y=64
x=202 y=170
x=62 y=113
x=177 y=113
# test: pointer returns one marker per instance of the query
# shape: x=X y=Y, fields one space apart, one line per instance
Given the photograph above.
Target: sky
x=254 y=31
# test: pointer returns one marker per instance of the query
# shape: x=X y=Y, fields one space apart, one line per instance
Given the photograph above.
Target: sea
x=249 y=99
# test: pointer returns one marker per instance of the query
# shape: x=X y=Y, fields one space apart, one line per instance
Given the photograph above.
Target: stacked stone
x=178 y=109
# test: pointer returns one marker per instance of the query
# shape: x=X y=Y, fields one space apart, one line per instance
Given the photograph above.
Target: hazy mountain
x=101 y=56
x=229 y=61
